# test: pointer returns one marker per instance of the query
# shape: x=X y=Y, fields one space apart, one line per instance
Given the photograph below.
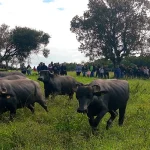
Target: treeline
x=128 y=61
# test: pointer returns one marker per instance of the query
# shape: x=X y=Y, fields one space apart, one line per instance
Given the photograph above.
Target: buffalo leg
x=12 y=114
x=46 y=94
x=91 y=120
x=95 y=122
x=43 y=104
x=53 y=96
x=121 y=115
x=112 y=117
x=31 y=107
x=71 y=96
x=12 y=108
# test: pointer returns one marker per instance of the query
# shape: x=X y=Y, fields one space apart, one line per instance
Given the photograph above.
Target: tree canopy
x=20 y=42
x=113 y=29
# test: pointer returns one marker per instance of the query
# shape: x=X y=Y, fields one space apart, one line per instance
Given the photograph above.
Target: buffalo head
x=4 y=93
x=86 y=94
x=45 y=76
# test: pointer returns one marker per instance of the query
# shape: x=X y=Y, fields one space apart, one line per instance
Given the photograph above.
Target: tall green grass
x=62 y=128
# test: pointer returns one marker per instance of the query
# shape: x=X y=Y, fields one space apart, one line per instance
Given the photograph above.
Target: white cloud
x=53 y=18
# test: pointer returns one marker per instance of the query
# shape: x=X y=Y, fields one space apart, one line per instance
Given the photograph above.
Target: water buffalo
x=4 y=73
x=12 y=77
x=102 y=96
x=57 y=85
x=20 y=93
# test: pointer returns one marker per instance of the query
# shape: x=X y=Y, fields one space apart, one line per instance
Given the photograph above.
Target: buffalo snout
x=82 y=110
x=40 y=78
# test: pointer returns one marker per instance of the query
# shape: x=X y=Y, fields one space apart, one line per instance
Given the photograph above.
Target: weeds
x=62 y=128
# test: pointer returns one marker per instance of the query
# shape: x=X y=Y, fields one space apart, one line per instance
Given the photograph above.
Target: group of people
x=123 y=71
x=26 y=70
x=92 y=70
x=55 y=68
x=120 y=71
x=100 y=71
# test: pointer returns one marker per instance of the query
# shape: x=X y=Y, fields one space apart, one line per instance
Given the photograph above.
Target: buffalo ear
x=97 y=90
x=77 y=85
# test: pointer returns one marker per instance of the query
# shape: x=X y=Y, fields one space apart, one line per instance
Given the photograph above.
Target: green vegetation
x=62 y=128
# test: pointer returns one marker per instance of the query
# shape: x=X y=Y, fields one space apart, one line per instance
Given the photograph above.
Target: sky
x=52 y=17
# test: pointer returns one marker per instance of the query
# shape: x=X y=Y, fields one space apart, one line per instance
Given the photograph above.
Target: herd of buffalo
x=95 y=99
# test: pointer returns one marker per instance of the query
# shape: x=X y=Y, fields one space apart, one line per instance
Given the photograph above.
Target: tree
x=112 y=28
x=21 y=42
x=45 y=52
x=14 y=62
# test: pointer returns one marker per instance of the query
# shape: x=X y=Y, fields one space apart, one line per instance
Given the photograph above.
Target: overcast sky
x=50 y=16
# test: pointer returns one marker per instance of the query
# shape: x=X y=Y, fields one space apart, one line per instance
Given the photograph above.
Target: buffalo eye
x=8 y=96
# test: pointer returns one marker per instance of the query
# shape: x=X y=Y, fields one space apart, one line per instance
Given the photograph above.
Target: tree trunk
x=6 y=64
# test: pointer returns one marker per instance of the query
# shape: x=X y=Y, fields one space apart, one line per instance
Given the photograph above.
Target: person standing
x=29 y=70
x=117 y=72
x=92 y=71
x=101 y=72
x=84 y=70
x=23 y=68
x=78 y=69
x=106 y=72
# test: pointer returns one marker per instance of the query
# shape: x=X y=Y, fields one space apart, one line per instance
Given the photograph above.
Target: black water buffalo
x=102 y=96
x=58 y=85
x=12 y=77
x=4 y=73
x=20 y=93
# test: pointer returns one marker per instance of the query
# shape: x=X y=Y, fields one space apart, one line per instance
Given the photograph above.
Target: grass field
x=62 y=128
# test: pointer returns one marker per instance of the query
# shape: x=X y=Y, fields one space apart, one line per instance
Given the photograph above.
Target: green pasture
x=62 y=128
